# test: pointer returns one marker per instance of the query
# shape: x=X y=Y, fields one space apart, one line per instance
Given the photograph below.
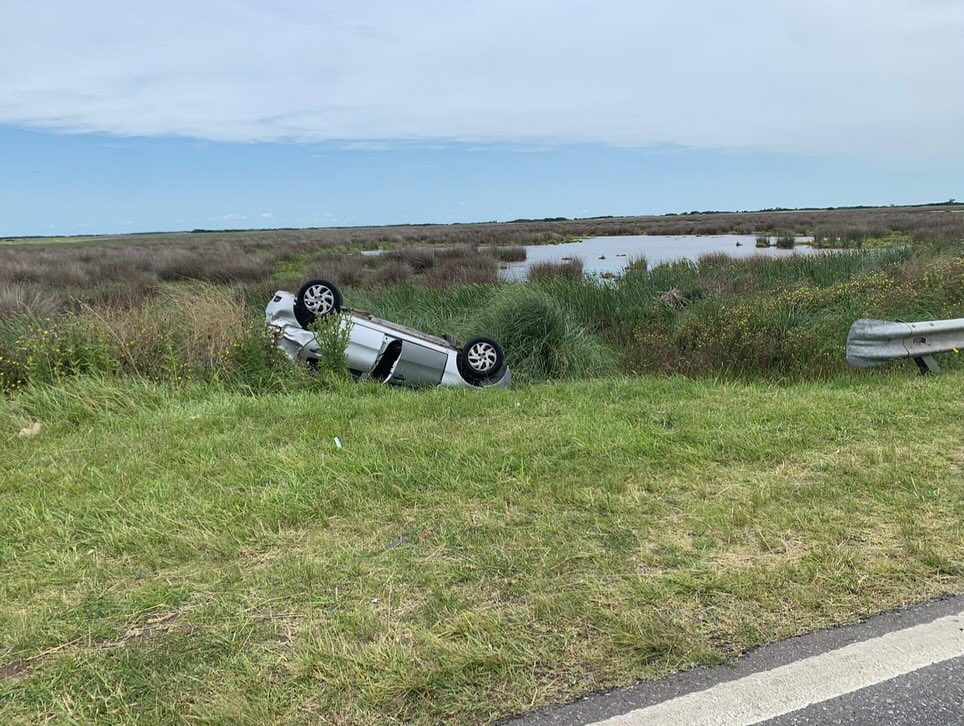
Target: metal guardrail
x=872 y=342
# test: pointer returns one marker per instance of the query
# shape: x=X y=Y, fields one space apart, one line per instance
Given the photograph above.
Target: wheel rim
x=319 y=299
x=482 y=357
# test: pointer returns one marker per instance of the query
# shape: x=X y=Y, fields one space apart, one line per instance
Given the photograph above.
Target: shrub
x=19 y=297
x=332 y=333
x=571 y=268
x=509 y=253
x=183 y=333
x=47 y=349
x=463 y=265
x=253 y=362
x=541 y=339
x=417 y=259
x=393 y=272
x=346 y=270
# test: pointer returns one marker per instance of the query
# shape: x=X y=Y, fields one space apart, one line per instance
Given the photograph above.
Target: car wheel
x=481 y=360
x=316 y=299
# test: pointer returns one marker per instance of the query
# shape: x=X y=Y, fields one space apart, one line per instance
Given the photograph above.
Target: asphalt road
x=931 y=696
x=904 y=667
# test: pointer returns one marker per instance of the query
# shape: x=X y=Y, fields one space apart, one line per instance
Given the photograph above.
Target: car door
x=365 y=345
x=418 y=365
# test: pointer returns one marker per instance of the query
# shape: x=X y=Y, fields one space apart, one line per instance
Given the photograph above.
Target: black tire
x=481 y=360
x=316 y=298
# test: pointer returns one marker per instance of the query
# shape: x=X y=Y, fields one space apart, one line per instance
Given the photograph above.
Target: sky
x=118 y=116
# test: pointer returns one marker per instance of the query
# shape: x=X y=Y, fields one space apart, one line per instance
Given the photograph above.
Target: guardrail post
x=926 y=364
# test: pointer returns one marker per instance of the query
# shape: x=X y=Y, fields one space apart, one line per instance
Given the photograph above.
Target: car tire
x=316 y=299
x=481 y=360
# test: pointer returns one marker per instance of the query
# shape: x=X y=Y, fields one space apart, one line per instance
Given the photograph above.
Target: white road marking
x=768 y=694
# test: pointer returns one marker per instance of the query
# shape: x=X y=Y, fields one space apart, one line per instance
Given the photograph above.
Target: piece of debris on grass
x=674 y=297
x=153 y=627
x=32 y=430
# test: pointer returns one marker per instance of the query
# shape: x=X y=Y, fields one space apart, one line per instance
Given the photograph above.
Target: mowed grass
x=172 y=555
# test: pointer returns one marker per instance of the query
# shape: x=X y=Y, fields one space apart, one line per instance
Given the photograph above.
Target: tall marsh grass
x=759 y=316
x=786 y=241
x=571 y=269
x=782 y=318
x=199 y=333
x=44 y=276
x=509 y=253
x=542 y=339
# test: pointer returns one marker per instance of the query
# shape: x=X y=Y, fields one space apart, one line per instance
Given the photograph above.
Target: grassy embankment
x=195 y=553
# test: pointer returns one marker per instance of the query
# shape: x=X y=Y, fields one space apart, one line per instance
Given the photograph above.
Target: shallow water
x=608 y=256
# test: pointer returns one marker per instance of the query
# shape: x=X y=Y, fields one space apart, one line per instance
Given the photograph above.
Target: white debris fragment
x=32 y=430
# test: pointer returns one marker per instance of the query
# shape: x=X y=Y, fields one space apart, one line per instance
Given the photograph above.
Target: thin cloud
x=816 y=75
x=367 y=146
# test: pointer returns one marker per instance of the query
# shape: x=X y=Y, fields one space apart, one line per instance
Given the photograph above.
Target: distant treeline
x=641 y=219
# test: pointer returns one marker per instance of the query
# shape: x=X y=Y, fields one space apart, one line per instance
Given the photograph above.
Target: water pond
x=608 y=256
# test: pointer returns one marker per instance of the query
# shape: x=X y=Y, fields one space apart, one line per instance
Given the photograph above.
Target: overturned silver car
x=380 y=350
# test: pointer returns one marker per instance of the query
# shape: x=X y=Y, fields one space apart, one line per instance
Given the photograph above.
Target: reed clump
x=571 y=269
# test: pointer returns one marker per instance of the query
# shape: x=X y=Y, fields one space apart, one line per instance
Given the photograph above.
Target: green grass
x=295 y=267
x=193 y=554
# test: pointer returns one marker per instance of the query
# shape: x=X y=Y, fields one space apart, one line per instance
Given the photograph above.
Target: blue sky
x=119 y=117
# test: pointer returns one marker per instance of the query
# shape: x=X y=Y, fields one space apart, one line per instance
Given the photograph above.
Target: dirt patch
x=17 y=669
x=284 y=624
